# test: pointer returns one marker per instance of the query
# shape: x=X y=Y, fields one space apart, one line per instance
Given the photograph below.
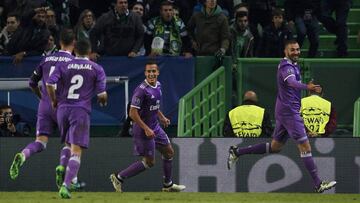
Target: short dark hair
x=4 y=106
x=242 y=4
x=241 y=14
x=166 y=3
x=277 y=12
x=15 y=15
x=82 y=47
x=151 y=62
x=290 y=41
x=67 y=36
x=137 y=3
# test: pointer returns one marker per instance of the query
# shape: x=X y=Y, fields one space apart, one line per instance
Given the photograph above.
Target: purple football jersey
x=288 y=99
x=78 y=79
x=46 y=67
x=146 y=99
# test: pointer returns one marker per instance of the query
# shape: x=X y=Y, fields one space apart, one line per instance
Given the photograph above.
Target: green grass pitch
x=97 y=197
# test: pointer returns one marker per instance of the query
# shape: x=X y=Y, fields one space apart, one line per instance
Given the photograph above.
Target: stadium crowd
x=256 y=28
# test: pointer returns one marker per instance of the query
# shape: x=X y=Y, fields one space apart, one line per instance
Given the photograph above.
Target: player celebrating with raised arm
x=46 y=116
x=147 y=133
x=77 y=80
x=287 y=115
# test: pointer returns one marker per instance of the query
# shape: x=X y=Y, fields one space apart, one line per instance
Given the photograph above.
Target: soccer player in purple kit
x=147 y=132
x=78 y=80
x=287 y=115
x=46 y=116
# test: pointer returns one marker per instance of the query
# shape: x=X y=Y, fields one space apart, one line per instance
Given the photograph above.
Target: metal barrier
x=202 y=110
x=23 y=83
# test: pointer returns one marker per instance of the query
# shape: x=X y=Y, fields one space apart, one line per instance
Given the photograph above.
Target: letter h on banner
x=190 y=170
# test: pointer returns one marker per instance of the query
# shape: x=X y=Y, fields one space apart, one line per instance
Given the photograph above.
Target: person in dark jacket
x=248 y=119
x=209 y=30
x=274 y=36
x=303 y=14
x=119 y=31
x=31 y=38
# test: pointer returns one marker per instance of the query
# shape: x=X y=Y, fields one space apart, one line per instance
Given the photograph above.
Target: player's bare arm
x=163 y=120
x=51 y=91
x=36 y=91
x=134 y=115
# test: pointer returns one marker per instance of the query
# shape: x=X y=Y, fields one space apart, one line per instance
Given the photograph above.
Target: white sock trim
x=166 y=158
x=305 y=154
x=42 y=143
x=66 y=147
x=75 y=158
x=145 y=165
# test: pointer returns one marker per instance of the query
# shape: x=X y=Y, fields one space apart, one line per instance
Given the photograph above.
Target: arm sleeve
x=55 y=76
x=225 y=34
x=267 y=128
x=139 y=32
x=227 y=128
x=100 y=81
x=292 y=82
x=96 y=32
x=36 y=75
x=138 y=98
x=332 y=124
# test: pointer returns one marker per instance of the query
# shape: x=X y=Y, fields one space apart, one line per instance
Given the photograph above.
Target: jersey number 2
x=77 y=81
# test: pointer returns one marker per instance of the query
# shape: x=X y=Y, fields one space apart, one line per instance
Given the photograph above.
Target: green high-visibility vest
x=316 y=113
x=246 y=120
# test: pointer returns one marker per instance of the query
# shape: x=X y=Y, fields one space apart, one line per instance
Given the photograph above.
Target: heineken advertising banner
x=199 y=163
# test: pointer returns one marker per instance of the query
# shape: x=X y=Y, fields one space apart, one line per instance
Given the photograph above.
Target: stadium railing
x=202 y=110
x=339 y=78
x=356 y=131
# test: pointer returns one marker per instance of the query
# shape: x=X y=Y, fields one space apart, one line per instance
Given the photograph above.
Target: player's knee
x=169 y=154
x=148 y=163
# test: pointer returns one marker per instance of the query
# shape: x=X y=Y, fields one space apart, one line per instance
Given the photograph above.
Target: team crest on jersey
x=290 y=71
x=137 y=101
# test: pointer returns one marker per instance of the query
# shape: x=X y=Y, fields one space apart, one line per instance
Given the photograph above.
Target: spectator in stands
x=259 y=17
x=274 y=36
x=227 y=7
x=52 y=26
x=260 y=11
x=139 y=9
x=336 y=26
x=152 y=8
x=84 y=25
x=241 y=7
x=241 y=38
x=10 y=124
x=2 y=15
x=209 y=30
x=50 y=47
x=120 y=32
x=12 y=23
x=166 y=34
x=176 y=11
x=304 y=15
x=319 y=115
x=248 y=119
x=31 y=37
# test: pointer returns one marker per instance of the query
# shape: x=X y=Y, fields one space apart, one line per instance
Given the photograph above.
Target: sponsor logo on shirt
x=155 y=107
